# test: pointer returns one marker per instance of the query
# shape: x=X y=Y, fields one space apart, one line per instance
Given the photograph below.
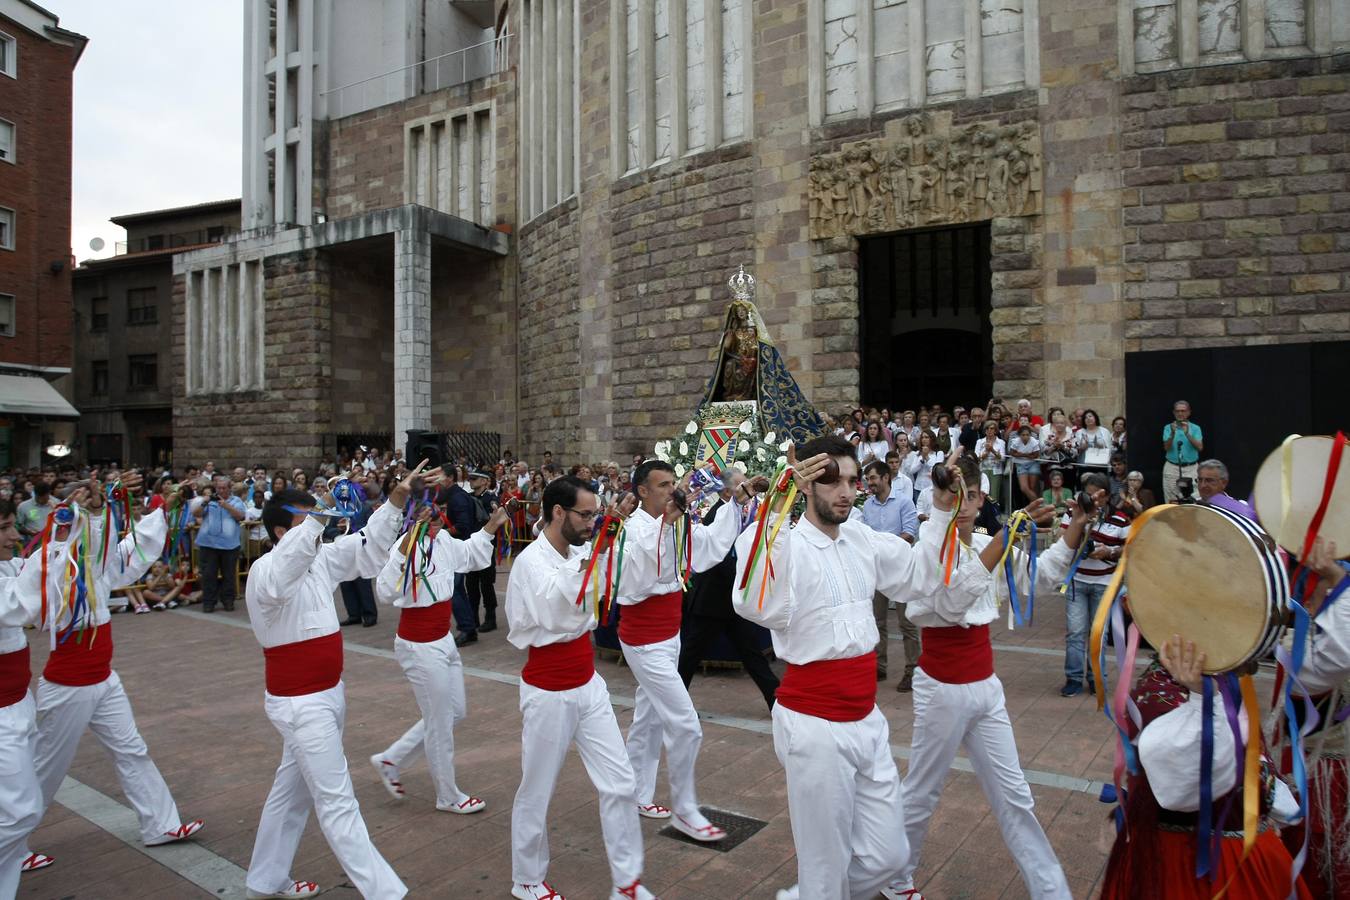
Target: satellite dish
x=96 y=244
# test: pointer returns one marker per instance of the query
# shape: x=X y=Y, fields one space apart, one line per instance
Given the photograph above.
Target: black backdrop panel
x=1247 y=400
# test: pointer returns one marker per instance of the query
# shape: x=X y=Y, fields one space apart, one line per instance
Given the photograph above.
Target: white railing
x=448 y=69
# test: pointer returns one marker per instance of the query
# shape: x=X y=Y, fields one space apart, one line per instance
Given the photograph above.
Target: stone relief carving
x=925 y=172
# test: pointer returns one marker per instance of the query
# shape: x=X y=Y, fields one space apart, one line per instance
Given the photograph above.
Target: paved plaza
x=195 y=682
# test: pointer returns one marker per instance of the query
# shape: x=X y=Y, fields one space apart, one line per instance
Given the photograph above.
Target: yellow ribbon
x=1109 y=599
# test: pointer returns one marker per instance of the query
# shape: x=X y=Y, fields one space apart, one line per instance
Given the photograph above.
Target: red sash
x=957 y=655
x=74 y=663
x=14 y=676
x=424 y=624
x=653 y=620
x=561 y=666
x=304 y=667
x=840 y=690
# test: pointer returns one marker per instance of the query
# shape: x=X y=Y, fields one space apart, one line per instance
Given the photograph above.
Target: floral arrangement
x=754 y=454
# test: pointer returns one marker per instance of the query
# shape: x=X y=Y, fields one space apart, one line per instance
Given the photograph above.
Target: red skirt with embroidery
x=1170 y=867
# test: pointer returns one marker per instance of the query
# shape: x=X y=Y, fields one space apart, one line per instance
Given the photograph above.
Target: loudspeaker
x=428 y=445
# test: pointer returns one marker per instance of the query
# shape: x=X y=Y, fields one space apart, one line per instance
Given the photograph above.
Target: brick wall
x=363 y=341
x=1237 y=204
x=37 y=188
x=282 y=425
x=473 y=346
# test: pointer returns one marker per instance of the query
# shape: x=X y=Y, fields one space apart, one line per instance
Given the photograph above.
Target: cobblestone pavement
x=195 y=683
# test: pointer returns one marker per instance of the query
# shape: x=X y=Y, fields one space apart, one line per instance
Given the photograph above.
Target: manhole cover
x=738 y=828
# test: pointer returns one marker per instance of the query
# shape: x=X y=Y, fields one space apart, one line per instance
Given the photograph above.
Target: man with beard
x=562 y=698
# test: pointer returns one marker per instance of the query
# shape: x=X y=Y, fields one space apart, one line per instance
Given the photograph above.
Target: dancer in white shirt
x=426 y=649
x=20 y=605
x=78 y=688
x=844 y=793
x=958 y=700
x=290 y=605
x=651 y=595
x=562 y=698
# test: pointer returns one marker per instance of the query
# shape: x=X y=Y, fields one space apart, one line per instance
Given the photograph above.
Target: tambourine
x=1289 y=488
x=349 y=498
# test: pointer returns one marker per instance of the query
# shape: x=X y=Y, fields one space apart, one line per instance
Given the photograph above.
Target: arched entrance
x=925 y=332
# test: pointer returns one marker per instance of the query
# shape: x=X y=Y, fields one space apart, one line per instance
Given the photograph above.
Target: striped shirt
x=1108 y=532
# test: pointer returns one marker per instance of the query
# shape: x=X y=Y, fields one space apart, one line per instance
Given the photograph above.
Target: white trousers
x=553 y=721
x=663 y=714
x=845 y=802
x=313 y=773
x=436 y=673
x=973 y=716
x=20 y=795
x=63 y=714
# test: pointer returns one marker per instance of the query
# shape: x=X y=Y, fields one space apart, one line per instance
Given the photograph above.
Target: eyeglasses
x=586 y=515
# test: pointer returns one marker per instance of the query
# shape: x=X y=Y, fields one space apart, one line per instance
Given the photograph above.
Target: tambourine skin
x=1210 y=576
x=1286 y=502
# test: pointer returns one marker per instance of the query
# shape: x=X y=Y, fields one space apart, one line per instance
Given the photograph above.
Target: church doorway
x=925 y=334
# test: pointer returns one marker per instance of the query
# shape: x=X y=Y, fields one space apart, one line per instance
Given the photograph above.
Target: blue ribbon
x=1022 y=614
x=1204 y=859
x=349 y=498
x=1293 y=664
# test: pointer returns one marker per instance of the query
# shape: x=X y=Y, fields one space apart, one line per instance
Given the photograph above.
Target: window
x=154 y=242
x=225 y=328
x=98 y=314
x=100 y=380
x=6 y=229
x=9 y=56
x=6 y=315
x=681 y=72
x=142 y=306
x=143 y=371
x=549 y=108
x=1169 y=34
x=449 y=163
x=8 y=135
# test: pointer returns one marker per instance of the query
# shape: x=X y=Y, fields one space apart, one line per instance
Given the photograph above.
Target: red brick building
x=37 y=67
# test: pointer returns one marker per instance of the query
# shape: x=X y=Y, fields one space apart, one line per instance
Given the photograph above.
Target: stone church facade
x=541 y=252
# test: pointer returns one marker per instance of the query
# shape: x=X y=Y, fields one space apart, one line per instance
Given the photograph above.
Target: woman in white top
x=873 y=447
x=991 y=451
x=919 y=464
x=1094 y=436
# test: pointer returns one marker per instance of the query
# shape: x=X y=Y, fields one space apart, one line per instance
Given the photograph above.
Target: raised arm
x=712 y=542
x=970 y=580
x=776 y=610
x=363 y=553
x=138 y=550
x=21 y=593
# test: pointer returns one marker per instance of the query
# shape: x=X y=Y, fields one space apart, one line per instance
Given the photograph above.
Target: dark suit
x=708 y=615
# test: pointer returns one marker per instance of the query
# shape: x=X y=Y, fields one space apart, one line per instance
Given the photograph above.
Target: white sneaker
x=788 y=894
x=181 y=833
x=653 y=811
x=634 y=891
x=698 y=828
x=470 y=806
x=540 y=891
x=388 y=773
x=898 y=890
x=299 y=889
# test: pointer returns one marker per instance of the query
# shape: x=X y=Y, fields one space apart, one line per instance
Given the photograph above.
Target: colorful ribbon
x=761 y=548
x=1019 y=525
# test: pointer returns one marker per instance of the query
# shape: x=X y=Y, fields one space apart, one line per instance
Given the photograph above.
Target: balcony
x=447 y=70
x=174 y=241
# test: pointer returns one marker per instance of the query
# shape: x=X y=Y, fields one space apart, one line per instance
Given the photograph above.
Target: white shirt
x=1326 y=662
x=900 y=482
x=641 y=578
x=819 y=603
x=290 y=590
x=974 y=596
x=448 y=556
x=920 y=468
x=876 y=450
x=994 y=462
x=21 y=592
x=1093 y=438
x=541 y=596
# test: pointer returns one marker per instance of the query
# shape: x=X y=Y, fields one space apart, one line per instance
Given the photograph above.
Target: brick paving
x=196 y=685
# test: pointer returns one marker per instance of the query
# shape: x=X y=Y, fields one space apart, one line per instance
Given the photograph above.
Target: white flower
x=747 y=427
x=739 y=465
x=780 y=461
x=680 y=470
x=691 y=428
x=661 y=454
x=759 y=453
x=768 y=438
x=684 y=450
x=742 y=446
x=785 y=445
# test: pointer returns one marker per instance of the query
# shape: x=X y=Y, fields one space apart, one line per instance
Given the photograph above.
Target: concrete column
x=412 y=331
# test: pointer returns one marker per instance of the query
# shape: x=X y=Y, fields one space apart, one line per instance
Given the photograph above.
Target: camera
x=1186 y=490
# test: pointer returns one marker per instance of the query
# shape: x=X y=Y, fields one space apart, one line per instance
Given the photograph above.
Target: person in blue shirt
x=1183 y=442
x=891 y=512
x=218 y=513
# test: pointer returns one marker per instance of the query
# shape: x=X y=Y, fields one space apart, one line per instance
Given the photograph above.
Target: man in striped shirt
x=1089 y=584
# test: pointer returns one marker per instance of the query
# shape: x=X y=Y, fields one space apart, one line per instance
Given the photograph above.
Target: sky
x=158 y=109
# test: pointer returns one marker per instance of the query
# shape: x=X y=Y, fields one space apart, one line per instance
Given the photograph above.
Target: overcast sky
x=157 y=108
